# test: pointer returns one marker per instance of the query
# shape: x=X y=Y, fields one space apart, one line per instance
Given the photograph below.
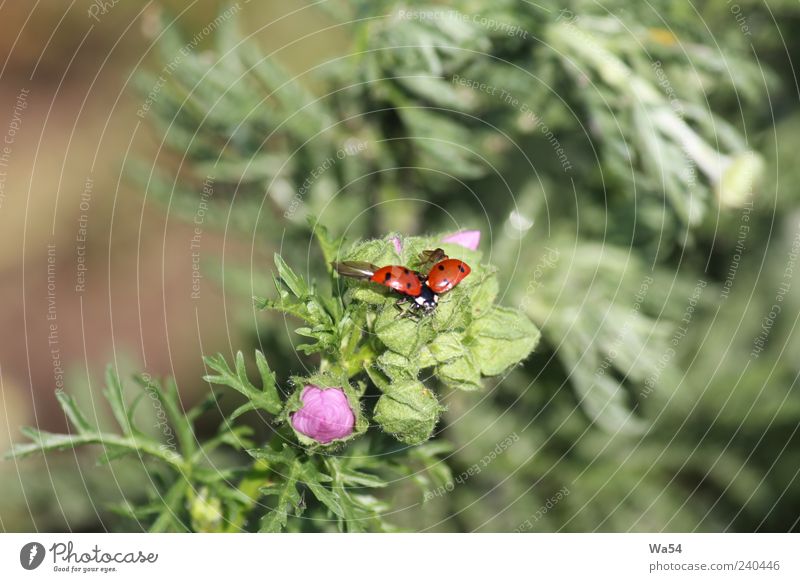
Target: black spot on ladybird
x=387 y=276
x=460 y=268
x=406 y=271
x=408 y=285
x=441 y=267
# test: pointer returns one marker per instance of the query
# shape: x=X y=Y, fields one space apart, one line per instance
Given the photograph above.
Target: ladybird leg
x=404 y=311
x=398 y=305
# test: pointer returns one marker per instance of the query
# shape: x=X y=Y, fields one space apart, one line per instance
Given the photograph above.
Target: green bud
x=409 y=411
x=737 y=180
x=205 y=512
x=463 y=373
x=448 y=346
x=395 y=366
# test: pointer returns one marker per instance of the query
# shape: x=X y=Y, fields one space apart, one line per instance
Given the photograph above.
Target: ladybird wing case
x=401 y=279
x=447 y=274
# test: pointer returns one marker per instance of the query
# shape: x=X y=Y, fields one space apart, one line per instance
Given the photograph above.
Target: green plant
x=365 y=348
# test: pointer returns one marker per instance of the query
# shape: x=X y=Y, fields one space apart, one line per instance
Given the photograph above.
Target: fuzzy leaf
x=403 y=335
x=502 y=338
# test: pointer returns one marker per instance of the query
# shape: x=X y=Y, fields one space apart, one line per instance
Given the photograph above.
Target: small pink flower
x=469 y=239
x=326 y=415
x=398 y=246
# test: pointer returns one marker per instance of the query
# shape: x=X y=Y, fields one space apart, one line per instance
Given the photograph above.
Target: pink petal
x=469 y=239
x=325 y=415
x=398 y=246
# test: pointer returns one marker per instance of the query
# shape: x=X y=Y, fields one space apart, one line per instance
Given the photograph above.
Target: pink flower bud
x=398 y=245
x=469 y=239
x=326 y=414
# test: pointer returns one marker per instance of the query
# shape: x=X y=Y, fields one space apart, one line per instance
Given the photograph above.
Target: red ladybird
x=423 y=291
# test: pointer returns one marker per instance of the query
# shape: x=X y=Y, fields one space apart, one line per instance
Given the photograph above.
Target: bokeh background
x=664 y=395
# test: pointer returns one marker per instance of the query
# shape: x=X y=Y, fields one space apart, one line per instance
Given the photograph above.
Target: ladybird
x=421 y=290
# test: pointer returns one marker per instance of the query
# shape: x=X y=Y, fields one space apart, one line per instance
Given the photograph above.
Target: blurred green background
x=637 y=190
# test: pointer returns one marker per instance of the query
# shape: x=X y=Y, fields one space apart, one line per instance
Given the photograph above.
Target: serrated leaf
x=359 y=478
x=288 y=498
x=287 y=276
x=285 y=305
x=330 y=246
x=43 y=442
x=267 y=398
x=322 y=493
x=284 y=456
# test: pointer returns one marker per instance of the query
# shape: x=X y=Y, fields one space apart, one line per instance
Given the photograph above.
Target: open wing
x=429 y=258
x=355 y=269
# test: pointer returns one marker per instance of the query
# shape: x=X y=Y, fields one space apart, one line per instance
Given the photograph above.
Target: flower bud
x=409 y=411
x=205 y=512
x=324 y=415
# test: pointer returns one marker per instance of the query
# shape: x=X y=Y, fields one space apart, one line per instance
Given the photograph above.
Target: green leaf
x=284 y=305
x=313 y=478
x=288 y=497
x=483 y=294
x=359 y=478
x=115 y=396
x=43 y=442
x=403 y=335
x=502 y=338
x=359 y=510
x=75 y=416
x=267 y=398
x=330 y=246
x=170 y=400
x=172 y=508
x=287 y=276
x=436 y=472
